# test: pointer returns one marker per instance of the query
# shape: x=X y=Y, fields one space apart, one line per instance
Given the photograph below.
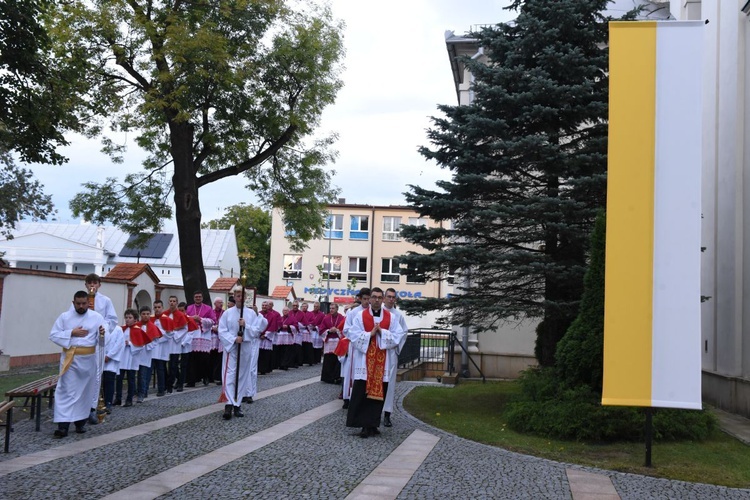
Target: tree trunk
x=187 y=212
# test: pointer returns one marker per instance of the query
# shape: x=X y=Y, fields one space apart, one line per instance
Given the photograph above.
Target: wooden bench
x=35 y=392
x=7 y=408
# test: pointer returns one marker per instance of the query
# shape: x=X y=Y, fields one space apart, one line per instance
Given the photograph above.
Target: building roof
x=282 y=292
x=214 y=242
x=224 y=284
x=128 y=271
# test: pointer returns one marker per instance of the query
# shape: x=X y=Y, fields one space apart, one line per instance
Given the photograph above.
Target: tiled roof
x=224 y=284
x=282 y=292
x=128 y=271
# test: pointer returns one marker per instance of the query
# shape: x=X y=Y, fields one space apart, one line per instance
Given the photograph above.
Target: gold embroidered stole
x=375 y=356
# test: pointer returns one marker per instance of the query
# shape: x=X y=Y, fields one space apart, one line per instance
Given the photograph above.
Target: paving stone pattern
x=324 y=459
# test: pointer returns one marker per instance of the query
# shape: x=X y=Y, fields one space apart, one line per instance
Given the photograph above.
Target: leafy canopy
x=212 y=89
x=252 y=226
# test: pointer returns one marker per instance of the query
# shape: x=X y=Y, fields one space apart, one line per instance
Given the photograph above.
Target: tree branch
x=247 y=165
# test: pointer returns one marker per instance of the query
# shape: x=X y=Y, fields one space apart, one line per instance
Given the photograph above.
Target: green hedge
x=545 y=408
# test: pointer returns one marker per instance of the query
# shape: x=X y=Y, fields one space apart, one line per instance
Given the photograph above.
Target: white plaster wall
x=510 y=338
x=31 y=304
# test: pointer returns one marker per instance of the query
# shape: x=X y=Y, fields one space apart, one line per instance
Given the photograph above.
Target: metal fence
x=424 y=344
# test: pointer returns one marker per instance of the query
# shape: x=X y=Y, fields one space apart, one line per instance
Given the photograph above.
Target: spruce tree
x=580 y=353
x=528 y=163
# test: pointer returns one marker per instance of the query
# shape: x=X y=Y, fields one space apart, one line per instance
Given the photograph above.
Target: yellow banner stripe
x=630 y=209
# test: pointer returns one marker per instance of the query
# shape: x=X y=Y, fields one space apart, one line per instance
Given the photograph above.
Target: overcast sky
x=396 y=72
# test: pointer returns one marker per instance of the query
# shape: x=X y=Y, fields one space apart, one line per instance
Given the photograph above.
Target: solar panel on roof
x=154 y=248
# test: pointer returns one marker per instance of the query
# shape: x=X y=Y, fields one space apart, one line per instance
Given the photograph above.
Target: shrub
x=545 y=408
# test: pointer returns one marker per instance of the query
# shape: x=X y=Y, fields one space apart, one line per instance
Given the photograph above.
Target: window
x=334 y=229
x=358 y=268
x=293 y=267
x=413 y=275
x=391 y=228
x=451 y=276
x=360 y=227
x=332 y=271
x=390 y=271
x=417 y=221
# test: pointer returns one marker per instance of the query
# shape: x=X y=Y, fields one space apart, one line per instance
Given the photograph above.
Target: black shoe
x=80 y=429
x=127 y=404
x=346 y=404
x=179 y=388
x=227 y=412
x=374 y=431
x=108 y=409
x=205 y=381
x=93 y=420
x=160 y=394
x=189 y=385
x=364 y=433
x=387 y=420
x=60 y=433
x=238 y=412
x=169 y=391
x=118 y=402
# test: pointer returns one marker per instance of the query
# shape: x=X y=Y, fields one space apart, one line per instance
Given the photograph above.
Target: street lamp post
x=328 y=281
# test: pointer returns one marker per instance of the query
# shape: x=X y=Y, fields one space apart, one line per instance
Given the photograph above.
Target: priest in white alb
x=77 y=332
x=375 y=337
x=239 y=334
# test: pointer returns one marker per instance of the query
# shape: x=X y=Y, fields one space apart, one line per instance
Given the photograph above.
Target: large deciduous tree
x=37 y=100
x=36 y=109
x=211 y=89
x=528 y=163
x=252 y=226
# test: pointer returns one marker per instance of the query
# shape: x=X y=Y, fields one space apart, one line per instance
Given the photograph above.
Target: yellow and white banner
x=652 y=290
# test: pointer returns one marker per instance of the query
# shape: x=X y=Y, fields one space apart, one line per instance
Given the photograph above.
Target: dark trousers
x=199 y=367
x=288 y=357
x=131 y=376
x=160 y=367
x=308 y=356
x=144 y=378
x=363 y=411
x=277 y=356
x=265 y=361
x=178 y=366
x=215 y=362
x=331 y=372
x=108 y=385
x=297 y=348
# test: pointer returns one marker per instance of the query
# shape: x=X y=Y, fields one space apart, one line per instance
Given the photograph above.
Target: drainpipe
x=465 y=338
x=372 y=246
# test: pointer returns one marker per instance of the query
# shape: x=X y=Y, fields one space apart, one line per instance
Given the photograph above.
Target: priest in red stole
x=375 y=336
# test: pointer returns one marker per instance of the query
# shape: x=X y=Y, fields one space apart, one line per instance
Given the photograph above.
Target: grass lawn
x=474 y=411
x=17 y=377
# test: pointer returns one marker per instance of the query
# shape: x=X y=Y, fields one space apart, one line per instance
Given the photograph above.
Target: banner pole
x=649 y=434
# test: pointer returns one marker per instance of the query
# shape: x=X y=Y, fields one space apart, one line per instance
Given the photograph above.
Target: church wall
x=30 y=303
